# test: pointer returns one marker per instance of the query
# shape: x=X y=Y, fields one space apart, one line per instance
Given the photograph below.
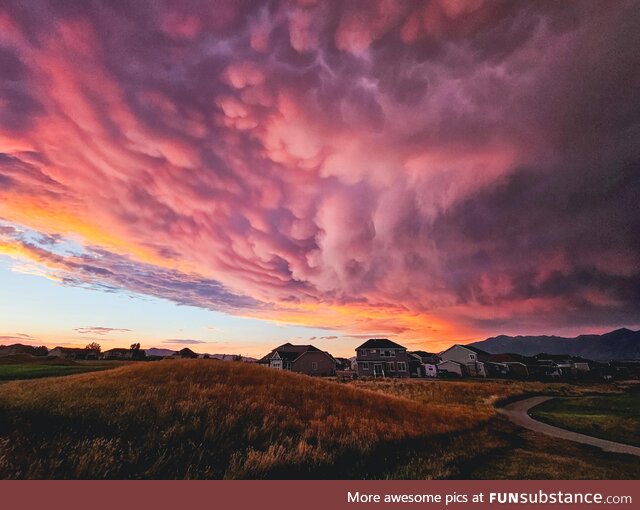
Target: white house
x=452 y=367
x=472 y=358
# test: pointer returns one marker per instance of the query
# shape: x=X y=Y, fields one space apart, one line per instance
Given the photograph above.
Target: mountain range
x=620 y=344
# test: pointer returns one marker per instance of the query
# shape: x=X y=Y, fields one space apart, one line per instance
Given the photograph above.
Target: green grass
x=15 y=372
x=612 y=417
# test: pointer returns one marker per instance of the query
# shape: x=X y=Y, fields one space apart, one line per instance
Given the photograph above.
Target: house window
x=391 y=366
x=314 y=365
x=363 y=352
x=365 y=366
x=472 y=356
x=392 y=353
x=372 y=351
x=402 y=366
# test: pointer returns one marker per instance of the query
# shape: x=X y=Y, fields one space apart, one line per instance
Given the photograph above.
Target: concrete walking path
x=518 y=411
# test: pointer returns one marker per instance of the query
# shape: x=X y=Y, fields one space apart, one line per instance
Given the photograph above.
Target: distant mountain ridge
x=154 y=351
x=620 y=344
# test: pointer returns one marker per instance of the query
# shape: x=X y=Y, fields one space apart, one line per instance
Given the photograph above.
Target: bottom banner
x=327 y=494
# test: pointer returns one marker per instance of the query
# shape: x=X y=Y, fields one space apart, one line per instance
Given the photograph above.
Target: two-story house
x=380 y=357
x=464 y=360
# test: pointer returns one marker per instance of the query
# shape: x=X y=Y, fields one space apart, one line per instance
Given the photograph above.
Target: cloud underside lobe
x=416 y=168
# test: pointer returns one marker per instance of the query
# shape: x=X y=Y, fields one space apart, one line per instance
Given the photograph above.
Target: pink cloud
x=452 y=160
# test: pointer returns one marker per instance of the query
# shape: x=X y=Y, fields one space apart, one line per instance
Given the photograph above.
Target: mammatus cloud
x=424 y=169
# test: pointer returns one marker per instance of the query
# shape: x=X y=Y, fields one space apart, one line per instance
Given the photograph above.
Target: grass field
x=13 y=372
x=496 y=449
x=615 y=417
x=208 y=419
x=477 y=393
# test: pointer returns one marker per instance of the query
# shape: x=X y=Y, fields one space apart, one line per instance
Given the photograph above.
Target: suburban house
x=380 y=357
x=117 y=354
x=450 y=368
x=560 y=366
x=9 y=350
x=343 y=364
x=495 y=369
x=515 y=364
x=471 y=358
x=73 y=353
x=185 y=353
x=427 y=363
x=517 y=369
x=304 y=359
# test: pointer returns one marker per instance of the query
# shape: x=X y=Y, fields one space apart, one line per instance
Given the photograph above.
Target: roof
x=380 y=343
x=449 y=361
x=117 y=349
x=291 y=352
x=287 y=355
x=288 y=347
x=469 y=348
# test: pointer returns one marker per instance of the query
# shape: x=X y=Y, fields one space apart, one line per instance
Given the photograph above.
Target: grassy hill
x=211 y=419
x=208 y=419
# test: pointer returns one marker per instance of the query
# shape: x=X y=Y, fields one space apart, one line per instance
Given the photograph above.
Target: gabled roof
x=288 y=347
x=449 y=361
x=291 y=352
x=380 y=343
x=469 y=348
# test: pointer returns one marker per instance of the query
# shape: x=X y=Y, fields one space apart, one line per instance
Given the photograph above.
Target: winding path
x=517 y=412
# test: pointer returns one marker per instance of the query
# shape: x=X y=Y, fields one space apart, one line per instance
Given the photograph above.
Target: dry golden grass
x=208 y=419
x=476 y=393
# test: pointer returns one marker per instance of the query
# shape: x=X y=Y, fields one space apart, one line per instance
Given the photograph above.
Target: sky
x=230 y=175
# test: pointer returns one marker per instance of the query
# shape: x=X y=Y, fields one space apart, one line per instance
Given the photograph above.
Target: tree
x=41 y=351
x=94 y=346
x=137 y=353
